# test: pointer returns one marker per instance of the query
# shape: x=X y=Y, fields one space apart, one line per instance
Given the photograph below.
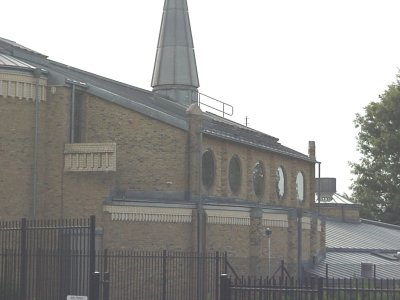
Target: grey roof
x=146 y=102
x=348 y=265
x=7 y=61
x=363 y=236
x=175 y=62
x=350 y=244
x=225 y=129
x=12 y=46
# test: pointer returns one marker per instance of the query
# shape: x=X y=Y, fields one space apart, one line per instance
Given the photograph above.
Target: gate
x=47 y=259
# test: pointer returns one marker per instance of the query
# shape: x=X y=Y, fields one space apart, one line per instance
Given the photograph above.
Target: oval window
x=235 y=174
x=280 y=183
x=258 y=179
x=208 y=168
x=300 y=186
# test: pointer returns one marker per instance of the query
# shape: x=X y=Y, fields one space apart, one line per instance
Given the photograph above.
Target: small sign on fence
x=71 y=297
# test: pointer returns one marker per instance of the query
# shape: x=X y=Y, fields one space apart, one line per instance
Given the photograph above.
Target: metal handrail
x=223 y=111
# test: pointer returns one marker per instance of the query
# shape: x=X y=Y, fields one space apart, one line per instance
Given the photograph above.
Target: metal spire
x=175 y=72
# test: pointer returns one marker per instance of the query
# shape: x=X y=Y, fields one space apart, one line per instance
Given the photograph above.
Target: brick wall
x=224 y=150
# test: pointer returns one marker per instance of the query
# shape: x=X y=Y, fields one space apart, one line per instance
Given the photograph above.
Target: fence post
x=217 y=275
x=92 y=257
x=106 y=277
x=164 y=275
x=320 y=289
x=24 y=261
x=225 y=290
x=226 y=262
x=95 y=293
x=106 y=286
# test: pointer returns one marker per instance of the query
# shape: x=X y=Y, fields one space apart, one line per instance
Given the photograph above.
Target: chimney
x=311 y=150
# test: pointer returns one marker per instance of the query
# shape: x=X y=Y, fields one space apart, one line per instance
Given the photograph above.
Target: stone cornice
x=149 y=214
x=228 y=217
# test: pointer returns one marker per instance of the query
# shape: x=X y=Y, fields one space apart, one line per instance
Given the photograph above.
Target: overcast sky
x=299 y=70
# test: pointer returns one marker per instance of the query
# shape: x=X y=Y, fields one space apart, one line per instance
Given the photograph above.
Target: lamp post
x=268 y=233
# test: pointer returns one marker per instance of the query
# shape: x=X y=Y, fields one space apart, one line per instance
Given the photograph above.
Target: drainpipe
x=72 y=134
x=37 y=72
x=299 y=243
x=74 y=85
x=319 y=185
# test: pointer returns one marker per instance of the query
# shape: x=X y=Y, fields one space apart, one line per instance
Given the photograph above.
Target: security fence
x=309 y=289
x=129 y=275
x=46 y=259
x=54 y=259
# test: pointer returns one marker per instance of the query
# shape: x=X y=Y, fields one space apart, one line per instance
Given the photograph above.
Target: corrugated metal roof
x=348 y=265
x=340 y=235
x=350 y=244
x=11 y=62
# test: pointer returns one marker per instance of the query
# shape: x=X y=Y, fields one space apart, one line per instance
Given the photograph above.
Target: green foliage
x=377 y=185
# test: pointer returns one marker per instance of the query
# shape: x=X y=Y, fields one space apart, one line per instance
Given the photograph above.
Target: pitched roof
x=365 y=236
x=350 y=244
x=147 y=102
x=348 y=265
x=7 y=61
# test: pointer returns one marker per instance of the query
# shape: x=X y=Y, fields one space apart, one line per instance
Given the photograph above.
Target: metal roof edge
x=358 y=250
x=327 y=204
x=259 y=146
x=96 y=76
x=146 y=110
x=380 y=224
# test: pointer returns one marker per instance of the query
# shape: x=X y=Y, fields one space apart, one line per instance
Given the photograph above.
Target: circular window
x=258 y=179
x=208 y=168
x=300 y=186
x=235 y=174
x=280 y=183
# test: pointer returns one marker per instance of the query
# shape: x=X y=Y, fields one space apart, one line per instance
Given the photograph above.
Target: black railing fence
x=53 y=259
x=160 y=275
x=309 y=289
x=46 y=259
x=49 y=260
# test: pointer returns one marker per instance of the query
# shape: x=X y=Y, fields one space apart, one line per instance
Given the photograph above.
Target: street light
x=268 y=233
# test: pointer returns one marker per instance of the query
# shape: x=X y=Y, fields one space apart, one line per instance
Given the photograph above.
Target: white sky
x=300 y=70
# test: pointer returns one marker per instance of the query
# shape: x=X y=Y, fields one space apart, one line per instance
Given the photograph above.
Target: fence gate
x=46 y=259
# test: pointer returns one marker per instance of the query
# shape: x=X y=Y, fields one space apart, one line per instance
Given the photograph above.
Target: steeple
x=175 y=72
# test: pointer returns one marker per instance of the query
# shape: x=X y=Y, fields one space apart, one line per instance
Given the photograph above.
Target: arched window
x=280 y=183
x=235 y=174
x=259 y=179
x=300 y=186
x=208 y=168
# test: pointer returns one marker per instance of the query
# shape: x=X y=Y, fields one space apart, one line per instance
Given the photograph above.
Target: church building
x=156 y=169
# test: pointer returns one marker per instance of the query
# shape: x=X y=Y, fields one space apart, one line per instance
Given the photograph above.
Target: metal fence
x=53 y=259
x=46 y=259
x=160 y=275
x=309 y=289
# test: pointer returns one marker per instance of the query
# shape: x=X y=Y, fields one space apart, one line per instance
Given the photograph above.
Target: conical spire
x=175 y=72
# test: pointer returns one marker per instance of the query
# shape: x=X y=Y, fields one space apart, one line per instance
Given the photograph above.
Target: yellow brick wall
x=224 y=150
x=151 y=155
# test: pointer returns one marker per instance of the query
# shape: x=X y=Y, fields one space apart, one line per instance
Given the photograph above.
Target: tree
x=377 y=183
